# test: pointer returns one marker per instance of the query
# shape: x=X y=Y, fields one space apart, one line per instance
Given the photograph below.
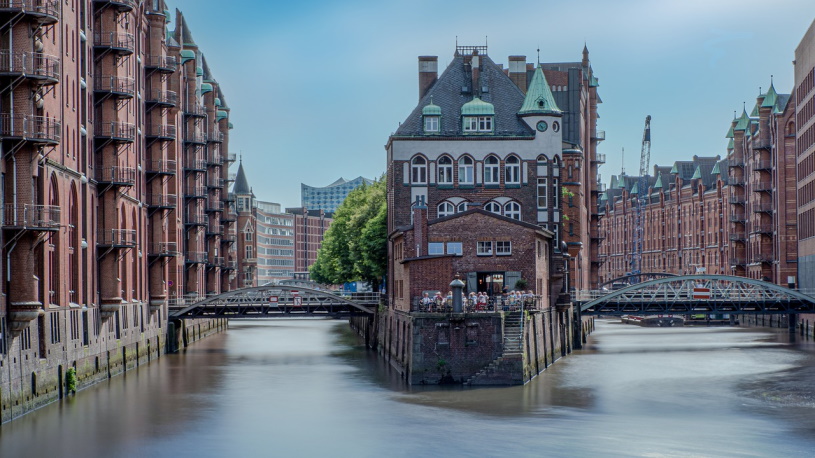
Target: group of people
x=477 y=301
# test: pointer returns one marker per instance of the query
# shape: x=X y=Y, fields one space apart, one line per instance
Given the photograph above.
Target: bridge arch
x=725 y=294
x=640 y=275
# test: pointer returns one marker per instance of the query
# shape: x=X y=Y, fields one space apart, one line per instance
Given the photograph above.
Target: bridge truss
x=696 y=294
x=280 y=301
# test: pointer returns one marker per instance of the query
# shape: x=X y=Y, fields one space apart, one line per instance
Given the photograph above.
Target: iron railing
x=115 y=175
x=46 y=11
x=162 y=200
x=195 y=165
x=33 y=217
x=195 y=192
x=195 y=137
x=162 y=131
x=116 y=130
x=162 y=167
x=193 y=109
x=763 y=186
x=163 y=249
x=37 y=129
x=164 y=98
x=760 y=207
x=215 y=137
x=121 y=41
x=122 y=238
x=116 y=85
x=165 y=64
x=196 y=257
x=35 y=65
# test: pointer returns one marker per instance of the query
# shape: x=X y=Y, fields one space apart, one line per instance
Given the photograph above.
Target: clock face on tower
x=542 y=126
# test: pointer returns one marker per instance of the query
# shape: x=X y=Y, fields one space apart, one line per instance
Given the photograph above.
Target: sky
x=317 y=87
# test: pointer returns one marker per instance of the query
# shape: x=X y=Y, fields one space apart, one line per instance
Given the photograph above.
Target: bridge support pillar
x=793 y=321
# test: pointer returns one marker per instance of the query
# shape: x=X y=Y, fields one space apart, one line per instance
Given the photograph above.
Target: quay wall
x=805 y=324
x=29 y=381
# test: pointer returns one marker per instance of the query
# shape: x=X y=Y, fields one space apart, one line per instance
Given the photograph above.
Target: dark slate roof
x=183 y=34
x=447 y=94
x=241 y=185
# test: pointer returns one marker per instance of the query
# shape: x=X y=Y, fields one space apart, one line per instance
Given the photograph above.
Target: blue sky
x=316 y=87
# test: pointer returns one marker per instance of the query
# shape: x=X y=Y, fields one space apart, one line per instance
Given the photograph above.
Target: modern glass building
x=328 y=198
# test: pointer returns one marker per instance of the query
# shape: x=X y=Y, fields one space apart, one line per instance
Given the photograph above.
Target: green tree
x=354 y=247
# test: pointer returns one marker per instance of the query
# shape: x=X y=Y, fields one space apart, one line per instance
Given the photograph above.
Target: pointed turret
x=539 y=99
x=241 y=186
x=770 y=98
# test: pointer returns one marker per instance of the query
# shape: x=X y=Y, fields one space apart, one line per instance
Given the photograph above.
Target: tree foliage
x=354 y=246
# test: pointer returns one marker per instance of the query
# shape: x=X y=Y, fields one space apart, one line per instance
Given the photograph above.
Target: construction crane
x=642 y=201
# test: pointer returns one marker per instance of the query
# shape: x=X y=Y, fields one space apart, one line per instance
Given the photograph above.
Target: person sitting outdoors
x=426 y=302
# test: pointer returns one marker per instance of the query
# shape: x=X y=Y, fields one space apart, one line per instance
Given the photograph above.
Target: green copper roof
x=658 y=184
x=593 y=82
x=715 y=170
x=431 y=109
x=230 y=126
x=476 y=107
x=187 y=55
x=754 y=113
x=731 y=144
x=206 y=87
x=220 y=114
x=539 y=98
x=697 y=174
x=675 y=169
x=613 y=182
x=770 y=98
x=199 y=71
x=729 y=132
x=743 y=123
x=168 y=16
x=217 y=102
x=635 y=189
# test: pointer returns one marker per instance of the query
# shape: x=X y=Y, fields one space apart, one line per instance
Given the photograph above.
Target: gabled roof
x=453 y=90
x=539 y=98
x=743 y=122
x=770 y=97
x=481 y=211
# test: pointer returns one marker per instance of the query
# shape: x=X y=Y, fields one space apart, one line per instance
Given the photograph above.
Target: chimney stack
x=517 y=71
x=420 y=225
x=428 y=73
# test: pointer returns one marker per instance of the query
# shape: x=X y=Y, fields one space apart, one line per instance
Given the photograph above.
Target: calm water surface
x=307 y=388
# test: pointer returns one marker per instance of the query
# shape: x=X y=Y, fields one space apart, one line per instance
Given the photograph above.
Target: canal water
x=308 y=388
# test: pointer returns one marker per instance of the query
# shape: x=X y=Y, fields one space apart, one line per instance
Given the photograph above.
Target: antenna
x=622 y=172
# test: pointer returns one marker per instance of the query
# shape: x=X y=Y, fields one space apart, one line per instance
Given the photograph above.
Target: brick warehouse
x=475 y=179
x=114 y=177
x=732 y=217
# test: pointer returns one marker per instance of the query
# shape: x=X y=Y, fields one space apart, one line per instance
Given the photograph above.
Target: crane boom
x=642 y=196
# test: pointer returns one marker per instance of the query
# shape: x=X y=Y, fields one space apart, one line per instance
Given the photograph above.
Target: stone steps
x=507 y=369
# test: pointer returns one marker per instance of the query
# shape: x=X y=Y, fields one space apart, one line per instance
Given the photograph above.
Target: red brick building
x=309 y=230
x=114 y=137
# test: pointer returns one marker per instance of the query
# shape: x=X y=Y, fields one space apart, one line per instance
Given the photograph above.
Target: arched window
x=512 y=169
x=512 y=210
x=418 y=170
x=445 y=209
x=445 y=170
x=493 y=207
x=465 y=170
x=491 y=168
x=542 y=159
x=462 y=207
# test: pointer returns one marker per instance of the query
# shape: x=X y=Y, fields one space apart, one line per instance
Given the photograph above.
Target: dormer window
x=431 y=115
x=431 y=123
x=477 y=116
x=478 y=124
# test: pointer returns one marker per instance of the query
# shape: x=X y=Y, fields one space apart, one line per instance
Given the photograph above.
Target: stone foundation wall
x=805 y=324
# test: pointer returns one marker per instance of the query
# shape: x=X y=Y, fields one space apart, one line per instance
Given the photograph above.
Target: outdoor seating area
x=435 y=302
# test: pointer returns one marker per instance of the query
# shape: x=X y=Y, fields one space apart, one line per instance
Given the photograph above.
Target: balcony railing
x=31 y=217
x=231 y=157
x=230 y=197
x=43 y=68
x=118 y=86
x=162 y=131
x=163 y=249
x=228 y=237
x=213 y=158
x=164 y=64
x=43 y=11
x=214 y=206
x=215 y=183
x=737 y=218
x=195 y=165
x=195 y=219
x=213 y=229
x=736 y=163
x=231 y=177
x=737 y=261
x=162 y=167
x=761 y=207
x=737 y=237
x=121 y=42
x=196 y=257
x=763 y=229
x=229 y=217
x=736 y=200
x=116 y=131
x=599 y=135
x=763 y=186
x=121 y=5
x=162 y=98
x=195 y=137
x=117 y=238
x=35 y=129
x=193 y=109
x=764 y=166
x=162 y=201
x=116 y=176
x=735 y=181
x=217 y=261
x=230 y=264
x=600 y=158
x=195 y=192
x=215 y=137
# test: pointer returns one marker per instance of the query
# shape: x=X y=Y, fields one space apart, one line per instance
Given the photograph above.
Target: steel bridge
x=279 y=301
x=696 y=294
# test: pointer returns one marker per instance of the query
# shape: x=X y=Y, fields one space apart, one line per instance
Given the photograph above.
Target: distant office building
x=309 y=229
x=803 y=127
x=275 y=243
x=330 y=197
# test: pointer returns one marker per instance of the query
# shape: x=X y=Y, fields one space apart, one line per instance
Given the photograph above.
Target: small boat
x=657 y=321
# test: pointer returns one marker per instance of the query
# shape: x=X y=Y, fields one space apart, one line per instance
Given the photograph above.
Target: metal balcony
x=116 y=86
x=34 y=129
x=737 y=261
x=735 y=163
x=166 y=99
x=231 y=177
x=735 y=181
x=762 y=207
x=737 y=237
x=162 y=201
x=228 y=237
x=759 y=144
x=761 y=258
x=163 y=249
x=35 y=66
x=117 y=238
x=213 y=229
x=45 y=12
x=196 y=257
x=217 y=261
x=763 y=186
x=736 y=218
x=195 y=165
x=195 y=192
x=215 y=137
x=195 y=219
x=736 y=200
x=124 y=132
x=162 y=167
x=162 y=132
x=122 y=43
x=763 y=166
x=195 y=137
x=121 y=5
x=230 y=264
x=213 y=158
x=229 y=217
x=600 y=158
x=230 y=197
x=116 y=176
x=195 y=110
x=231 y=157
x=31 y=217
x=215 y=183
x=213 y=206
x=599 y=135
x=162 y=64
x=765 y=229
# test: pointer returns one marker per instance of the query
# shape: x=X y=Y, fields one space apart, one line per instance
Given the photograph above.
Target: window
x=247 y=236
x=445 y=170
x=543 y=193
x=445 y=209
x=493 y=207
x=249 y=252
x=455 y=248
x=513 y=210
x=431 y=123
x=418 y=170
x=462 y=207
x=477 y=124
x=503 y=248
x=555 y=193
x=491 y=167
x=512 y=170
x=435 y=248
x=484 y=249
x=465 y=170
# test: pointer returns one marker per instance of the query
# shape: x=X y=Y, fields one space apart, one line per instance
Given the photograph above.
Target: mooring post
x=792 y=322
x=457 y=286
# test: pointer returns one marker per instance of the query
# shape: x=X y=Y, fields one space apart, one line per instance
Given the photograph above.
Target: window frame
x=432 y=121
x=492 y=170
x=418 y=170
x=466 y=170
x=447 y=212
x=481 y=248
x=437 y=246
x=491 y=205
x=512 y=170
x=507 y=245
x=512 y=210
x=445 y=170
x=458 y=252
x=543 y=185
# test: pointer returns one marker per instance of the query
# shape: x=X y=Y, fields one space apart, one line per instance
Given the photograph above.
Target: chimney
x=420 y=225
x=428 y=73
x=517 y=71
x=476 y=67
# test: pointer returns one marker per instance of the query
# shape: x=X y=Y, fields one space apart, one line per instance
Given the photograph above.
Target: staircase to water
x=507 y=369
